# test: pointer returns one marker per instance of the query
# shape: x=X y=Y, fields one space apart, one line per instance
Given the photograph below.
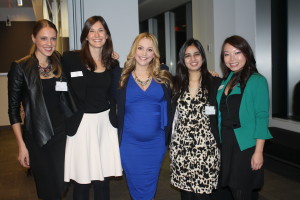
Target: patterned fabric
x=195 y=158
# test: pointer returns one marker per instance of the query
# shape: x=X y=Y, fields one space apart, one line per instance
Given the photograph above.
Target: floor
x=282 y=182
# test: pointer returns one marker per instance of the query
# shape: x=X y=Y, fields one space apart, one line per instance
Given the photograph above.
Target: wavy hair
x=107 y=50
x=159 y=76
x=250 y=65
x=181 y=81
x=54 y=59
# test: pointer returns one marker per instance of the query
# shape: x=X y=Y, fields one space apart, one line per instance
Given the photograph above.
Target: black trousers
x=47 y=166
x=101 y=190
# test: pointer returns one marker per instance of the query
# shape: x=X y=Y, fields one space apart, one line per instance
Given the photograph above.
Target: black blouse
x=51 y=98
x=97 y=92
x=230 y=107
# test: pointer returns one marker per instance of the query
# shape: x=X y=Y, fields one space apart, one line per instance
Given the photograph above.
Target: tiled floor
x=282 y=182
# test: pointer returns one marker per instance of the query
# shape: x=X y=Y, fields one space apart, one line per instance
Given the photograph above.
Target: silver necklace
x=142 y=83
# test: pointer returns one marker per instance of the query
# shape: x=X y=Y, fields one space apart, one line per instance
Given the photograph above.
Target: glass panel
x=285 y=59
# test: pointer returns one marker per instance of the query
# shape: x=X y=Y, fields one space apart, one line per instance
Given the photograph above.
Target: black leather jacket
x=24 y=85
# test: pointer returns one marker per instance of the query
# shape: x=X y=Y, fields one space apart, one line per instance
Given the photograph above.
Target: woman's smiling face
x=144 y=53
x=234 y=58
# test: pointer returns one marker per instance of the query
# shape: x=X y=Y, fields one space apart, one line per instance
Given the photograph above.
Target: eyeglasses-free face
x=234 y=58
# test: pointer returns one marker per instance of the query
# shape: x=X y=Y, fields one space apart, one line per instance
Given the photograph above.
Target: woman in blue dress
x=143 y=106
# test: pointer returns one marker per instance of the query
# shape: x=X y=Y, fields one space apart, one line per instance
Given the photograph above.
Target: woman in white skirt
x=92 y=149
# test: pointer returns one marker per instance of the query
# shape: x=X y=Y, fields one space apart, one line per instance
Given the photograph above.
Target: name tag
x=220 y=87
x=61 y=86
x=76 y=74
x=210 y=110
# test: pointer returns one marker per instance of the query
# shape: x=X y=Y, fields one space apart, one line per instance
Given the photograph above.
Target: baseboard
x=5 y=127
x=282 y=160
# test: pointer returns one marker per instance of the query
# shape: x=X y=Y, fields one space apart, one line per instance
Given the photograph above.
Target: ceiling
x=147 y=8
x=14 y=3
x=151 y=8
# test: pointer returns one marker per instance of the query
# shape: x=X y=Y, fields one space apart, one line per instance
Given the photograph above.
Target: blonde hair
x=159 y=76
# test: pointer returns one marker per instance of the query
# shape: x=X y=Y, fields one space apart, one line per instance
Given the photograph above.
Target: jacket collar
x=222 y=87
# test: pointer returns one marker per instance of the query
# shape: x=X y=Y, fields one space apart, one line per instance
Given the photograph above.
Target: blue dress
x=143 y=140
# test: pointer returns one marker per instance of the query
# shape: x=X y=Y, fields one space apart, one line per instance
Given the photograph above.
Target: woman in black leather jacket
x=36 y=82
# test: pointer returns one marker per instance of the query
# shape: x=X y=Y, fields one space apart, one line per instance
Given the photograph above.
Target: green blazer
x=253 y=112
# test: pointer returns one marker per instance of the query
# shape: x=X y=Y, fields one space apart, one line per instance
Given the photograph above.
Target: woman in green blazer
x=243 y=112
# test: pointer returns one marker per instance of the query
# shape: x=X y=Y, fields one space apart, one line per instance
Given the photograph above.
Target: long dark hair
x=250 y=65
x=54 y=59
x=181 y=80
x=107 y=50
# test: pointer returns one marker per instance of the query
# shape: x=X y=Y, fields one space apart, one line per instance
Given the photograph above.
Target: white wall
x=233 y=17
x=203 y=20
x=224 y=25
x=121 y=17
x=17 y=14
x=245 y=20
x=215 y=20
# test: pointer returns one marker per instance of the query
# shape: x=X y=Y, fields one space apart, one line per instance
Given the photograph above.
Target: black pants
x=185 y=195
x=101 y=190
x=47 y=166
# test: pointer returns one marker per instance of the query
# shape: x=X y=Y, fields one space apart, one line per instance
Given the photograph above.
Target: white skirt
x=93 y=152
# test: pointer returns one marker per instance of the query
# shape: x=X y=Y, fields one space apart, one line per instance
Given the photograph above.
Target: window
x=285 y=25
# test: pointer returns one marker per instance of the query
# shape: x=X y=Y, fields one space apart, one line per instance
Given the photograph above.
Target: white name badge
x=61 y=86
x=210 y=110
x=220 y=87
x=76 y=74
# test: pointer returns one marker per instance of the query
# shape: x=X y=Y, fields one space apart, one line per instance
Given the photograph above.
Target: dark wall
x=15 y=42
x=279 y=58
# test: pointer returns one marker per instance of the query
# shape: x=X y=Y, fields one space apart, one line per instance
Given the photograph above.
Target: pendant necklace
x=45 y=71
x=142 y=83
